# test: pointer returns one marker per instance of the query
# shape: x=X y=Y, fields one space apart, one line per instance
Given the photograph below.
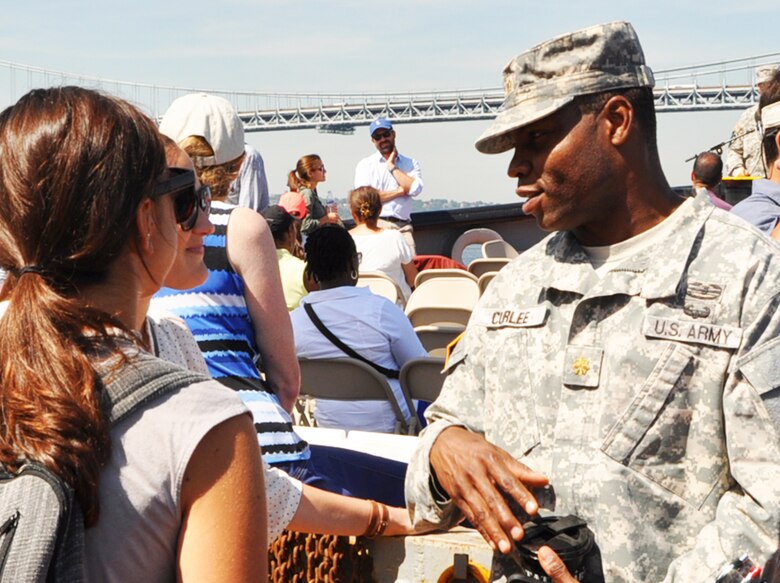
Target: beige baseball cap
x=770 y=116
x=549 y=76
x=210 y=117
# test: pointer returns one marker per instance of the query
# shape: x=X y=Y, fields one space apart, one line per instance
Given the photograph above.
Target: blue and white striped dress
x=217 y=315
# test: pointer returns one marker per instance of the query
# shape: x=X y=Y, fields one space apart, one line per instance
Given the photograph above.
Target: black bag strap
x=142 y=379
x=389 y=373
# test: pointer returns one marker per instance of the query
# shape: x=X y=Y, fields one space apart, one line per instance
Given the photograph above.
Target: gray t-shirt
x=136 y=537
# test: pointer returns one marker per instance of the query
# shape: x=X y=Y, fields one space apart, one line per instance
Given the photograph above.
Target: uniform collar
x=652 y=274
x=667 y=270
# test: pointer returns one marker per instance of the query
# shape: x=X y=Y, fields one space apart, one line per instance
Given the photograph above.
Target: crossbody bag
x=388 y=372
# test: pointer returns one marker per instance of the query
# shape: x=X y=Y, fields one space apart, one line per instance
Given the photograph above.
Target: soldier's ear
x=619 y=119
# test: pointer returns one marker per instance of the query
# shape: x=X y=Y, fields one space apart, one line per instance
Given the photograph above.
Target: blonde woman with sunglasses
x=238 y=315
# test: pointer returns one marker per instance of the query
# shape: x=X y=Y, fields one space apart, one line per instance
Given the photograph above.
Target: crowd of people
x=635 y=385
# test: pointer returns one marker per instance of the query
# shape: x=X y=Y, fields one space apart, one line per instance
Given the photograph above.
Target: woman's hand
x=330 y=219
x=399 y=522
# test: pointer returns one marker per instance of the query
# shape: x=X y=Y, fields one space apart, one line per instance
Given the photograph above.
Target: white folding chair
x=422 y=378
x=484 y=280
x=472 y=237
x=348 y=379
x=437 y=338
x=498 y=248
x=443 y=301
x=427 y=274
x=481 y=266
x=382 y=285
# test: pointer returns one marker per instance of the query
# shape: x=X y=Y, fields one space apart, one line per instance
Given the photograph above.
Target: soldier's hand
x=554 y=567
x=471 y=471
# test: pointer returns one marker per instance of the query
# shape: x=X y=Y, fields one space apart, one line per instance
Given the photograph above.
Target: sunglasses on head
x=187 y=199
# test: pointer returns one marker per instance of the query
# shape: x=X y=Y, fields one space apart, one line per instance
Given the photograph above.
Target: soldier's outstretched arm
x=473 y=473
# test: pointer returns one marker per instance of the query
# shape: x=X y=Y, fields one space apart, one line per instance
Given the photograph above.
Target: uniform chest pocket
x=509 y=397
x=670 y=434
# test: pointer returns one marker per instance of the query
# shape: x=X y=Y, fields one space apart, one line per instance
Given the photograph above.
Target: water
x=471 y=253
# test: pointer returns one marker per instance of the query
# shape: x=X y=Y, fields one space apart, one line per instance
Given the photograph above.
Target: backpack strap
x=388 y=372
x=142 y=379
x=41 y=523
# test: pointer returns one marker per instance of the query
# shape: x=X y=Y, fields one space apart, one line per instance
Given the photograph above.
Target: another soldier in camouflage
x=625 y=356
x=744 y=156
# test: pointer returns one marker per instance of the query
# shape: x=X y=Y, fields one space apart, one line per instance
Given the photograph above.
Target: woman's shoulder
x=174 y=341
x=141 y=485
x=185 y=414
x=246 y=228
x=391 y=239
x=379 y=235
x=388 y=234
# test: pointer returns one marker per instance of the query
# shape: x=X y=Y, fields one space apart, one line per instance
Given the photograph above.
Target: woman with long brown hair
x=88 y=231
x=309 y=172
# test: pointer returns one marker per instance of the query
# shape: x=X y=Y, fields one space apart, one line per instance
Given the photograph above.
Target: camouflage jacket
x=745 y=150
x=639 y=394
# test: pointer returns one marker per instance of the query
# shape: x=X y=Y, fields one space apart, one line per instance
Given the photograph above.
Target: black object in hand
x=569 y=536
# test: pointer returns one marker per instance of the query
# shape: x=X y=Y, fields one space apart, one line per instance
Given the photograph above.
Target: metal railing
x=724 y=85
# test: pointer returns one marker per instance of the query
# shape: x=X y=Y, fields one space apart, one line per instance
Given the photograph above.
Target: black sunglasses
x=187 y=200
x=380 y=135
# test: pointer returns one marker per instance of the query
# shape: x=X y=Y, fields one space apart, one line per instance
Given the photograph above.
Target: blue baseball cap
x=379 y=123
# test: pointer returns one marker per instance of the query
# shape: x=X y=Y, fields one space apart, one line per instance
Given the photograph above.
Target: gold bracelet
x=372 y=518
x=382 y=523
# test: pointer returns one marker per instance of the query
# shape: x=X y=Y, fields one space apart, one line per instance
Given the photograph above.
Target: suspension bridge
x=723 y=85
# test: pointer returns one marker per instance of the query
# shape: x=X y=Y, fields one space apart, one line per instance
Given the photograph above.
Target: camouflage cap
x=765 y=73
x=549 y=76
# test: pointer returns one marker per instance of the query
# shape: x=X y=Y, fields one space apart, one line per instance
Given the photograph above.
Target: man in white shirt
x=395 y=176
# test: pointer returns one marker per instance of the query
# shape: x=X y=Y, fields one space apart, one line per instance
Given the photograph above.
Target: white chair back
x=499 y=248
x=382 y=285
x=443 y=301
x=481 y=266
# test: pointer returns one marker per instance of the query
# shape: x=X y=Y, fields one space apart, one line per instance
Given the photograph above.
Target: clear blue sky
x=354 y=46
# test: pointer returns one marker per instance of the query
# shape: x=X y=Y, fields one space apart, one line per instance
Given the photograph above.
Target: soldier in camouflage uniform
x=744 y=156
x=624 y=357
